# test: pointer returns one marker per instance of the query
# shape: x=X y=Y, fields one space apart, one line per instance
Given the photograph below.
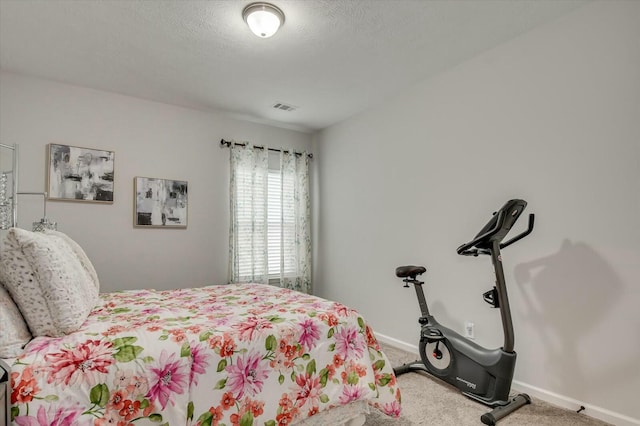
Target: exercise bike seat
x=410 y=271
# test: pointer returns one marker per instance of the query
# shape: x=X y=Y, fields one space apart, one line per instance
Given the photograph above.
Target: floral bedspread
x=238 y=354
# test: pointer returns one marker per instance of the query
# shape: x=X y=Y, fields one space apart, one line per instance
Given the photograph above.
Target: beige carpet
x=427 y=401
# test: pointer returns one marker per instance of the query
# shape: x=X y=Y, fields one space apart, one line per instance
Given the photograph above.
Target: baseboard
x=398 y=344
x=573 y=404
x=545 y=395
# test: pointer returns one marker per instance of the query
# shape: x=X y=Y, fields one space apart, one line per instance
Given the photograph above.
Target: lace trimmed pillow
x=14 y=333
x=47 y=282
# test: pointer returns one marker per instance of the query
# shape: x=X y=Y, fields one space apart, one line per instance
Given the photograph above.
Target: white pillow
x=14 y=333
x=82 y=256
x=47 y=281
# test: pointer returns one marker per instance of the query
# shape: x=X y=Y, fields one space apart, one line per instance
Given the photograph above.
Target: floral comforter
x=239 y=354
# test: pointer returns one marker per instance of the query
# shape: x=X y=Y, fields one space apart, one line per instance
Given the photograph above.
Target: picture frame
x=160 y=203
x=80 y=174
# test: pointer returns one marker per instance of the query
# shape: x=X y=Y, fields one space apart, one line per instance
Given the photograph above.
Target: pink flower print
x=40 y=344
x=178 y=335
x=349 y=343
x=84 y=364
x=199 y=359
x=110 y=417
x=317 y=305
x=253 y=326
x=228 y=346
x=351 y=393
x=372 y=342
x=113 y=330
x=352 y=372
x=392 y=409
x=122 y=378
x=341 y=310
x=216 y=415
x=52 y=416
x=280 y=362
x=154 y=327
x=247 y=375
x=130 y=410
x=40 y=371
x=308 y=390
x=152 y=310
x=330 y=319
x=259 y=310
x=116 y=400
x=194 y=329
x=168 y=377
x=24 y=389
x=310 y=334
x=255 y=407
x=137 y=386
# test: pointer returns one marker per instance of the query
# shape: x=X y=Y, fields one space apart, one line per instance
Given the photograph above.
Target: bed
x=233 y=354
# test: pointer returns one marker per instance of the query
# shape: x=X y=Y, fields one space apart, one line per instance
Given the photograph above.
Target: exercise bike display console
x=482 y=374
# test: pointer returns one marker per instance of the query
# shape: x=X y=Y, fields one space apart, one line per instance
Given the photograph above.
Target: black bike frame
x=501 y=287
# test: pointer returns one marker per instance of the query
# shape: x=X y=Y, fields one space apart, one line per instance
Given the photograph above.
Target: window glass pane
x=250 y=198
x=281 y=224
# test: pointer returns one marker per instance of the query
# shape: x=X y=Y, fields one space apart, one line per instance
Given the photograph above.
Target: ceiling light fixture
x=263 y=19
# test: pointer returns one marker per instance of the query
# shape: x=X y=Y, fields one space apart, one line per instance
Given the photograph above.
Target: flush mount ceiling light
x=263 y=19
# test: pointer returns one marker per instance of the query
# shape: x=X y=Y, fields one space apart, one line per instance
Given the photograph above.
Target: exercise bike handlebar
x=523 y=234
x=467 y=250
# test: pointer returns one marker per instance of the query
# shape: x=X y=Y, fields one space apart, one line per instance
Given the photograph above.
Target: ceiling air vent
x=284 y=107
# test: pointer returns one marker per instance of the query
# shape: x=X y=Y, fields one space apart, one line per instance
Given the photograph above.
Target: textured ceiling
x=331 y=59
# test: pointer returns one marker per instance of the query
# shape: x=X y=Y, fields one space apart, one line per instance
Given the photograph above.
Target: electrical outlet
x=469 y=330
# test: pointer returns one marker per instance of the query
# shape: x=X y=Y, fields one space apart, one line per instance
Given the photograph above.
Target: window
x=250 y=224
x=281 y=224
x=270 y=236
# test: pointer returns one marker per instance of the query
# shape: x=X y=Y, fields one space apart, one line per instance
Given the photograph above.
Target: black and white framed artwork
x=160 y=203
x=79 y=174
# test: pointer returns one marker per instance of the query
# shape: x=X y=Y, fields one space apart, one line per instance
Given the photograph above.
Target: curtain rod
x=228 y=144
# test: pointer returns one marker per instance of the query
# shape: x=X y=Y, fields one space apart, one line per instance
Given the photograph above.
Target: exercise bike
x=482 y=374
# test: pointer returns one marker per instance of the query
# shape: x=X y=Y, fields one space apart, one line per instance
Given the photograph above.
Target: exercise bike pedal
x=432 y=334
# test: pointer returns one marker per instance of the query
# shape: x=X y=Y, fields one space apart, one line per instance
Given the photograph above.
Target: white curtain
x=270 y=238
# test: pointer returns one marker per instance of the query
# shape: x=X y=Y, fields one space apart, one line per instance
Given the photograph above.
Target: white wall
x=552 y=117
x=149 y=139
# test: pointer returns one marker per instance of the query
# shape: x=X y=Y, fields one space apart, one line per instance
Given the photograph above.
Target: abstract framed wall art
x=79 y=174
x=160 y=203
